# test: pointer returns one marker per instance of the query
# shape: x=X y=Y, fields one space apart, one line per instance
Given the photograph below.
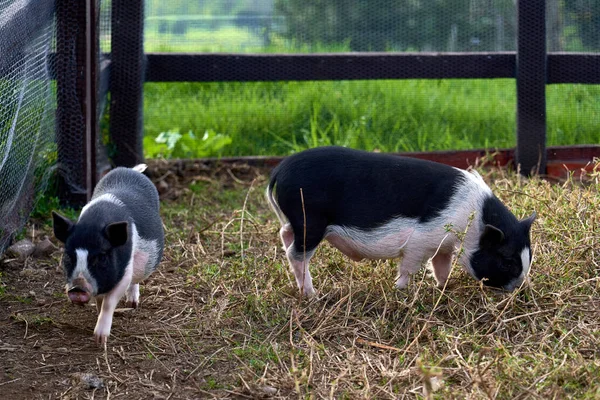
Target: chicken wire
x=27 y=104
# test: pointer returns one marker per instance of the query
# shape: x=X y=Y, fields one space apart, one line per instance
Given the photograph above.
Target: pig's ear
x=62 y=226
x=526 y=223
x=491 y=236
x=116 y=233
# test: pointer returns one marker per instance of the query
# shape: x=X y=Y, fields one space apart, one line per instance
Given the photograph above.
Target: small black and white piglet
x=379 y=206
x=116 y=243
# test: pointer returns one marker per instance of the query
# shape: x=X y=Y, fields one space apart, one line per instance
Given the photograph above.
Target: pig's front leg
x=411 y=263
x=109 y=304
x=442 y=264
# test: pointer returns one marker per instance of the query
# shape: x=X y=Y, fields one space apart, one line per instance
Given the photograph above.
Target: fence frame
x=531 y=67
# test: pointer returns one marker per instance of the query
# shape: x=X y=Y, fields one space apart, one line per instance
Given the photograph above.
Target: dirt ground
x=221 y=317
x=46 y=344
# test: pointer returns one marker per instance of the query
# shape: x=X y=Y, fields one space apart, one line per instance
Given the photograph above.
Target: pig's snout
x=79 y=292
x=78 y=295
x=511 y=286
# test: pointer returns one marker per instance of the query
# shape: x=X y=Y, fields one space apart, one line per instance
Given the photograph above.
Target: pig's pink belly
x=389 y=246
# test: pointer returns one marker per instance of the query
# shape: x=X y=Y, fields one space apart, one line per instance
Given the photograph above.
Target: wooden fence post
x=126 y=81
x=531 y=86
x=76 y=115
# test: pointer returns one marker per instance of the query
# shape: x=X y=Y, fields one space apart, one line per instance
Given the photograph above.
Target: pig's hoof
x=309 y=294
x=131 y=304
x=402 y=283
x=101 y=335
x=100 y=339
x=441 y=285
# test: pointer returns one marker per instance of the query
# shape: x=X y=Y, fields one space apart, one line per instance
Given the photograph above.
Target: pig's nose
x=78 y=295
x=513 y=285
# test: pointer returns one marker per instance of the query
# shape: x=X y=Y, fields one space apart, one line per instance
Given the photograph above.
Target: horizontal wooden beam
x=204 y=67
x=176 y=67
x=573 y=68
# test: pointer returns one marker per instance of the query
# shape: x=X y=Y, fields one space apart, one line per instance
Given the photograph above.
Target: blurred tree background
x=382 y=25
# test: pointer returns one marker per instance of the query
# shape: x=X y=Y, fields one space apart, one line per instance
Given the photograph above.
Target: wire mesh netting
x=27 y=150
x=342 y=25
x=280 y=117
x=70 y=78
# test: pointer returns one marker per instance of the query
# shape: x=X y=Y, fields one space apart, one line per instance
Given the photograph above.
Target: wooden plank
x=70 y=97
x=182 y=67
x=531 y=86
x=574 y=68
x=91 y=67
x=126 y=81
x=165 y=67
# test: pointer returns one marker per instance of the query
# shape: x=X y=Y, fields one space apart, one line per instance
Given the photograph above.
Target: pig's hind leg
x=298 y=264
x=99 y=303
x=132 y=295
x=300 y=251
x=286 y=233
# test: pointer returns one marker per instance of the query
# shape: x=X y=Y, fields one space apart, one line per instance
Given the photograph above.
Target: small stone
x=44 y=248
x=269 y=390
x=162 y=187
x=89 y=381
x=229 y=253
x=21 y=250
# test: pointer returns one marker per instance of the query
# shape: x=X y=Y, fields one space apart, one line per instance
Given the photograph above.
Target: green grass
x=277 y=118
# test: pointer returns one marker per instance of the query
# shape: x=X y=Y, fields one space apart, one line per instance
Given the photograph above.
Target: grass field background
x=277 y=118
x=192 y=119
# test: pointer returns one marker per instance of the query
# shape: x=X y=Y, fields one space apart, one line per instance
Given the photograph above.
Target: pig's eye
x=67 y=259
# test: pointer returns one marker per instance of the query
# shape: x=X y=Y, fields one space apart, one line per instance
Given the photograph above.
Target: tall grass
x=277 y=118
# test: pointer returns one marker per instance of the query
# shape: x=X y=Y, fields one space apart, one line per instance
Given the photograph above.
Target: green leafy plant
x=173 y=144
x=2 y=286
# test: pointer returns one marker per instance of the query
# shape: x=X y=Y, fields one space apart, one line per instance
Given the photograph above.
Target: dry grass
x=223 y=318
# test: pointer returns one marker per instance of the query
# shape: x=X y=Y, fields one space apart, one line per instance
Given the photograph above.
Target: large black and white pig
x=117 y=242
x=379 y=206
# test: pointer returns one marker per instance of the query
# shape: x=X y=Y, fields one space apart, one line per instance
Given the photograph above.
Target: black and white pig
x=116 y=243
x=381 y=206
